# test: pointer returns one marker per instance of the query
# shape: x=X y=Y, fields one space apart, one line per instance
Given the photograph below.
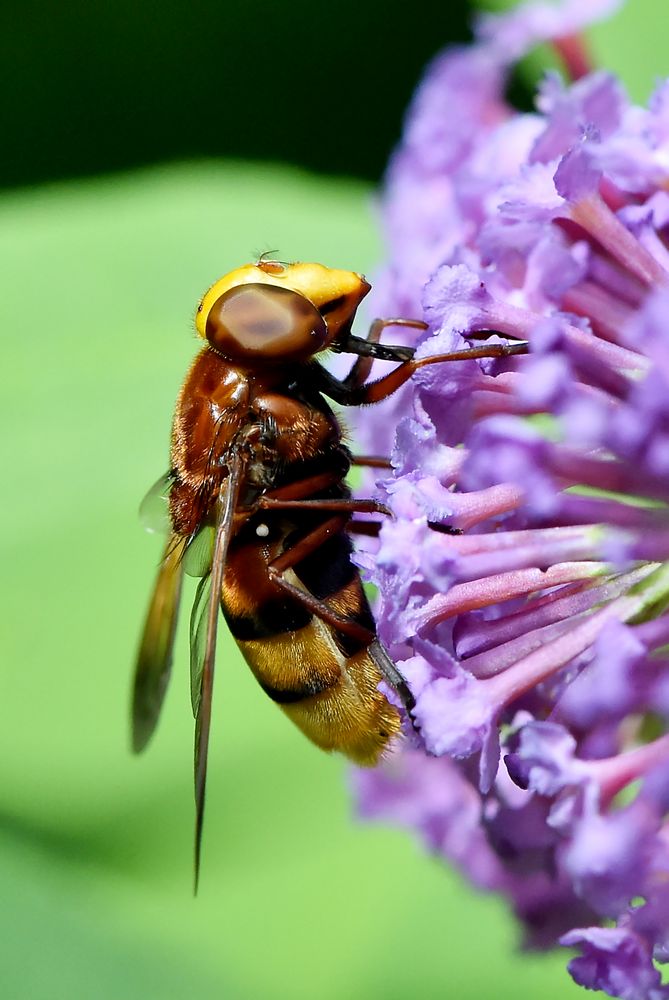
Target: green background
x=297 y=898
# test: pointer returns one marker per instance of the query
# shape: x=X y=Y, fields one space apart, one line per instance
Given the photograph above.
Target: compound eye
x=265 y=321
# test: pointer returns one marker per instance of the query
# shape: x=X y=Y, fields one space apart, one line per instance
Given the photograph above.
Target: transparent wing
x=154 y=660
x=154 y=510
x=198 y=639
x=198 y=556
x=204 y=626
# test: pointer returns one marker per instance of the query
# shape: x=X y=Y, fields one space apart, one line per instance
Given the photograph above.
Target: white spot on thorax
x=262 y=531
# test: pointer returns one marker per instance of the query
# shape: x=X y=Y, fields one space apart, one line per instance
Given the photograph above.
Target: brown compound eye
x=265 y=322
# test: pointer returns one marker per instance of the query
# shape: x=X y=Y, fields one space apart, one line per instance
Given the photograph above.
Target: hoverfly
x=259 y=509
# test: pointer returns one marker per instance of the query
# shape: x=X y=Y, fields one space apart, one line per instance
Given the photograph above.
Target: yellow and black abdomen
x=324 y=680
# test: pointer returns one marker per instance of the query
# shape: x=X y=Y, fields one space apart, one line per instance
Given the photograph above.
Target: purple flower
x=533 y=631
x=615 y=960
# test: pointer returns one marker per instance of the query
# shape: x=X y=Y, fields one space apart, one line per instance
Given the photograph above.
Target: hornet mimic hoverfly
x=259 y=509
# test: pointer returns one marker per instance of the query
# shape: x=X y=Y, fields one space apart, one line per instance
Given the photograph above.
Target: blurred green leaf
x=634 y=45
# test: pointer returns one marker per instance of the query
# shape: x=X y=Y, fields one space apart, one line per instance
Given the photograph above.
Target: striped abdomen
x=325 y=681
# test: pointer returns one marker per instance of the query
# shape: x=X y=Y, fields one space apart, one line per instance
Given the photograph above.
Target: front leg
x=367 y=349
x=347 y=506
x=382 y=388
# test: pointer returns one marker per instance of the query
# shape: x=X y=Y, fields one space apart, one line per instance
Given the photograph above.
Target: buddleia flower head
x=524 y=578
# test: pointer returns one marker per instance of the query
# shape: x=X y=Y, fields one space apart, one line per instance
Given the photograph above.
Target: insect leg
x=394 y=678
x=372 y=461
x=379 y=325
x=304 y=487
x=345 y=506
x=369 y=528
x=359 y=373
x=381 y=388
x=444 y=529
x=372 y=528
x=292 y=556
x=362 y=366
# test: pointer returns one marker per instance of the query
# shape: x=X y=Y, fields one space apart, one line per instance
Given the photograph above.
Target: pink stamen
x=489 y=404
x=468 y=545
x=472 y=508
x=614 y=279
x=526 y=673
x=613 y=196
x=502 y=657
x=576 y=468
x=476 y=637
x=607 y=314
x=534 y=555
x=575 y=55
x=540 y=664
x=614 y=773
x=494 y=589
x=602 y=224
x=575 y=509
x=517 y=322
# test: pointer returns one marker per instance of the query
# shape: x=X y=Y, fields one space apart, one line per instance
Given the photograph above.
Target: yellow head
x=276 y=312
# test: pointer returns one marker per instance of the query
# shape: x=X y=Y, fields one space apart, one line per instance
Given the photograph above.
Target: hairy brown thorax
x=216 y=402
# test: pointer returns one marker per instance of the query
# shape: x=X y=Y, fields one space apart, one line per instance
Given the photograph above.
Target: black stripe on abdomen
x=288 y=696
x=269 y=619
x=328 y=569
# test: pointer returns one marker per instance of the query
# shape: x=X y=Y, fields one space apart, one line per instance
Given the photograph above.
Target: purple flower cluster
x=524 y=580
